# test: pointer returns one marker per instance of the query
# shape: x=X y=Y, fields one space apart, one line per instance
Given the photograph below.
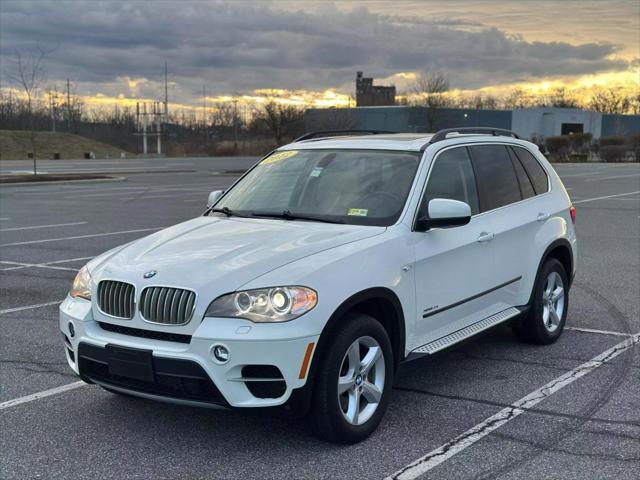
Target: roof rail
x=333 y=133
x=496 y=132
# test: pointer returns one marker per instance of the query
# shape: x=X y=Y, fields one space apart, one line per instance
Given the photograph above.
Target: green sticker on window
x=358 y=212
x=316 y=172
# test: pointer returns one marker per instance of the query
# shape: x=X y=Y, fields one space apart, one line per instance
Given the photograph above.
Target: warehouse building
x=527 y=122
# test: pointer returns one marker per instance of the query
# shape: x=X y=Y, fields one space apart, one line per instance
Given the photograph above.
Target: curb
x=59 y=182
x=229 y=174
x=137 y=172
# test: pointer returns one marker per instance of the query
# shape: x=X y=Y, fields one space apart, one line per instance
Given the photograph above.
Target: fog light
x=220 y=353
x=72 y=330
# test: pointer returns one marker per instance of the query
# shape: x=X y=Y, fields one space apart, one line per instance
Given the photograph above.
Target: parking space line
x=29 y=307
x=607 y=196
x=585 y=174
x=481 y=430
x=39 y=395
x=44 y=264
x=46 y=240
x=144 y=190
x=42 y=226
x=21 y=265
x=177 y=194
x=613 y=177
x=600 y=332
x=71 y=189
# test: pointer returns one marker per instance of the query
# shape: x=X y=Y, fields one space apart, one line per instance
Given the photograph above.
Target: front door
x=453 y=266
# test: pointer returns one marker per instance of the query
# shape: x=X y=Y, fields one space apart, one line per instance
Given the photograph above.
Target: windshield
x=362 y=187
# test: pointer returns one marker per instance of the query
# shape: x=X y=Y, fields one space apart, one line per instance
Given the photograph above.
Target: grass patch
x=16 y=145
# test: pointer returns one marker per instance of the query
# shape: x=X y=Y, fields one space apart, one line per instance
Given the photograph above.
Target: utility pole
x=158 y=115
x=144 y=128
x=52 y=107
x=204 y=105
x=68 y=107
x=166 y=109
x=236 y=121
x=166 y=94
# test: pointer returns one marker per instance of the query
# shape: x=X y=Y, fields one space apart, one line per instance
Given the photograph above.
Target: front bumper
x=259 y=372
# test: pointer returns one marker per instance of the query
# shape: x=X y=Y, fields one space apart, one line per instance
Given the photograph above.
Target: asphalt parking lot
x=490 y=408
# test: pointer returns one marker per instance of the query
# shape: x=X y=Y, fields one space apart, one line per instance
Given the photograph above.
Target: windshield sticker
x=358 y=212
x=316 y=172
x=276 y=157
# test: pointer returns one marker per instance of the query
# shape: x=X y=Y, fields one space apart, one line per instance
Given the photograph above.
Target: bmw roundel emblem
x=150 y=273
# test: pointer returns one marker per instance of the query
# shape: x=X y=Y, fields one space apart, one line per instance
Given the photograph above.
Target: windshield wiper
x=227 y=211
x=288 y=215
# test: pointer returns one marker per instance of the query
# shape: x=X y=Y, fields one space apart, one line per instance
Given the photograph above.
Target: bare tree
x=479 y=102
x=224 y=115
x=227 y=119
x=430 y=90
x=72 y=108
x=634 y=104
x=283 y=121
x=518 y=98
x=335 y=119
x=29 y=74
x=561 y=98
x=610 y=100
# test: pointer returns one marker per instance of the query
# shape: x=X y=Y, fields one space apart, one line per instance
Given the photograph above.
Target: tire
x=342 y=418
x=540 y=326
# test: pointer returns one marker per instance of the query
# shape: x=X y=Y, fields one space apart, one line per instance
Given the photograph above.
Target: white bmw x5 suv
x=329 y=263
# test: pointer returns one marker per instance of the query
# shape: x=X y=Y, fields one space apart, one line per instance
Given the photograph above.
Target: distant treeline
x=223 y=131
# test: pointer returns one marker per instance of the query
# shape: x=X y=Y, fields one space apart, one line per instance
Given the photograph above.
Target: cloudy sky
x=309 y=51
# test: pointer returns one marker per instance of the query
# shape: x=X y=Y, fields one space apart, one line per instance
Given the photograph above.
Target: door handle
x=542 y=216
x=485 y=237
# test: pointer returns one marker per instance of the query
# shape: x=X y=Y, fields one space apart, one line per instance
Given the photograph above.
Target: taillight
x=572 y=212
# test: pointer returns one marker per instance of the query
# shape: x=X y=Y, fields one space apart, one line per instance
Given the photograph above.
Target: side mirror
x=213 y=197
x=443 y=213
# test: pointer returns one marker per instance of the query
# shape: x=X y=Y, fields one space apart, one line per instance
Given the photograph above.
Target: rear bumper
x=259 y=373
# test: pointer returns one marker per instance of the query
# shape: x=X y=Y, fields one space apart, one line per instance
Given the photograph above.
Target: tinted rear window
x=534 y=169
x=496 y=176
x=526 y=187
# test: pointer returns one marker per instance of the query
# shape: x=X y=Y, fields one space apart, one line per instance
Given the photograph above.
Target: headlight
x=82 y=284
x=277 y=304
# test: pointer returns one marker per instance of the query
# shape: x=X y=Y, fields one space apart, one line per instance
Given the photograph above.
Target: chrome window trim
x=464 y=145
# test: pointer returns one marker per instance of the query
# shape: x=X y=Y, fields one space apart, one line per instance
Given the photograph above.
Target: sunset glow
x=306 y=53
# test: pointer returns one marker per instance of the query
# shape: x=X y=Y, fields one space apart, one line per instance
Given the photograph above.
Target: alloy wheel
x=552 y=302
x=361 y=380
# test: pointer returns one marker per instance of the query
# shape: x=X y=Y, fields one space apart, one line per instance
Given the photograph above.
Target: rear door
x=453 y=265
x=507 y=198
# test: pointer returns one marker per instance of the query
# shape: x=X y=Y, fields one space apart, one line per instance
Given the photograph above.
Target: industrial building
x=527 y=122
x=368 y=94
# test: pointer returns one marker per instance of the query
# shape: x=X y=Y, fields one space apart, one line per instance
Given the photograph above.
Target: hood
x=220 y=254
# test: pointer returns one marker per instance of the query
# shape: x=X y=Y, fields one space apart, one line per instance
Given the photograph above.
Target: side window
x=496 y=176
x=534 y=169
x=451 y=177
x=526 y=187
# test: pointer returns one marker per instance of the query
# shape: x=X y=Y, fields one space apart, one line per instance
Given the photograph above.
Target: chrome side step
x=455 y=337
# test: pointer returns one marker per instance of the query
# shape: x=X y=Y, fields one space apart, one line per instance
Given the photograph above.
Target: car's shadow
x=434 y=399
